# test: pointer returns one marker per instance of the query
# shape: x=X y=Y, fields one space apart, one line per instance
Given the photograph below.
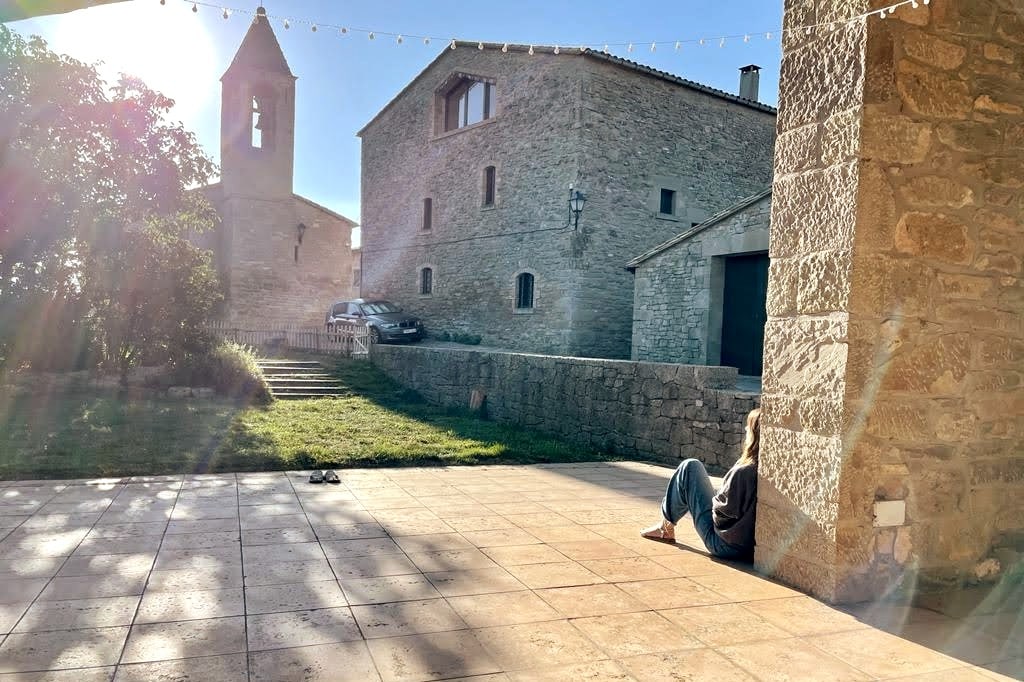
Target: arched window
x=524 y=291
x=256 y=128
x=426 y=281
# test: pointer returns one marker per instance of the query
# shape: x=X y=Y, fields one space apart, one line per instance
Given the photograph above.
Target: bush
x=229 y=368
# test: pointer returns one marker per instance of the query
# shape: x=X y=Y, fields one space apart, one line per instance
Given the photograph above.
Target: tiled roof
x=713 y=220
x=576 y=52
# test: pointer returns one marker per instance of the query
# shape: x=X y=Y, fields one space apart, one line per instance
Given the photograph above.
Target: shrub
x=229 y=368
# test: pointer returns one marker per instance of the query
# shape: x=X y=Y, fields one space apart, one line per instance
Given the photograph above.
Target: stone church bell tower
x=257 y=126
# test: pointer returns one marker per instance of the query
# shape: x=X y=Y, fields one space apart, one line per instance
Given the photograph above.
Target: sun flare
x=165 y=46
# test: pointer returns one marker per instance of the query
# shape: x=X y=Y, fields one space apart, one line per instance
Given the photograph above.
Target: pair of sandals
x=324 y=476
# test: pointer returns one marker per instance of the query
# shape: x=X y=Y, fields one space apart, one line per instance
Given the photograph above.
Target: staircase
x=297 y=379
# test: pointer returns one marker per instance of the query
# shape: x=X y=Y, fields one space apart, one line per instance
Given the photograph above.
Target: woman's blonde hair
x=752 y=438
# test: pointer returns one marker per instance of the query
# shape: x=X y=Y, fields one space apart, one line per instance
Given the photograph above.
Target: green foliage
x=229 y=368
x=95 y=182
x=378 y=424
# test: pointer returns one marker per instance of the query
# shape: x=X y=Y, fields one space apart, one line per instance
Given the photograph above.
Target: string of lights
x=630 y=46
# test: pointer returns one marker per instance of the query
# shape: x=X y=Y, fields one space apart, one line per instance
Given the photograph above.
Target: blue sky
x=345 y=80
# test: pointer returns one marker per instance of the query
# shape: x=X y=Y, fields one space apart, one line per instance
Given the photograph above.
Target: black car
x=385 y=320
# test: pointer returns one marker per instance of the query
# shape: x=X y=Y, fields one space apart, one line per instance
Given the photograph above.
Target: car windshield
x=378 y=307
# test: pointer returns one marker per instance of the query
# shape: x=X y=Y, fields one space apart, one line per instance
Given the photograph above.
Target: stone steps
x=298 y=379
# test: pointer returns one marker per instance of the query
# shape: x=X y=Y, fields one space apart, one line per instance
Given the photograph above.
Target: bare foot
x=663 y=532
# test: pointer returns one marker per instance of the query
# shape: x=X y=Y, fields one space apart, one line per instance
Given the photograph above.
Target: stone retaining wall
x=635 y=409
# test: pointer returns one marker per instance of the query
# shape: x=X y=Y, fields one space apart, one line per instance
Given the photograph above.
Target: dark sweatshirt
x=732 y=509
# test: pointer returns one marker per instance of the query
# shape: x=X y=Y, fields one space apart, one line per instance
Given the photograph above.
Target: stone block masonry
x=635 y=409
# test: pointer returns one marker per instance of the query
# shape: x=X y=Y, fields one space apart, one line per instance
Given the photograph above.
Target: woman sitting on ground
x=724 y=521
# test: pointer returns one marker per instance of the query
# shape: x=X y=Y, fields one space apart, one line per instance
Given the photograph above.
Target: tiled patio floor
x=494 y=573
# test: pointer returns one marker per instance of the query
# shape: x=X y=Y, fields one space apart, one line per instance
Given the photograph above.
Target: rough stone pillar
x=891 y=453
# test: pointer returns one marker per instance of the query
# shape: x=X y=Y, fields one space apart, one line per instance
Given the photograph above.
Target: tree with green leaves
x=95 y=214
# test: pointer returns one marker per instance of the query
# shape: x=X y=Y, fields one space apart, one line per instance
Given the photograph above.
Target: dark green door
x=743 y=312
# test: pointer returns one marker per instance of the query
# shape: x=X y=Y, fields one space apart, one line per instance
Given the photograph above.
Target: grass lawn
x=71 y=435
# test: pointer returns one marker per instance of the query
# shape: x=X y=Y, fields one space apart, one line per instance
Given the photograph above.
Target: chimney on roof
x=749 y=77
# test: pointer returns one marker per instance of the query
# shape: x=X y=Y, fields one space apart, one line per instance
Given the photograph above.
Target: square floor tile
x=671 y=593
x=293 y=597
x=881 y=654
x=78 y=613
x=13 y=569
x=786 y=660
x=283 y=572
x=353 y=531
x=9 y=615
x=399 y=529
x=187 y=639
x=206 y=526
x=804 y=616
x=697 y=665
x=85 y=648
x=566 y=533
x=388 y=589
x=94 y=586
x=740 y=586
x=500 y=537
x=686 y=563
x=724 y=624
x=102 y=674
x=476 y=581
x=174 y=559
x=591 y=600
x=502 y=608
x=345 y=549
x=628 y=569
x=339 y=662
x=606 y=671
x=230 y=668
x=463 y=524
x=373 y=566
x=593 y=549
x=552 y=643
x=301 y=628
x=634 y=634
x=221 y=578
x=517 y=555
x=19 y=590
x=451 y=560
x=127 y=530
x=438 y=655
x=435 y=542
x=142 y=543
x=296 y=551
x=160 y=607
x=556 y=574
x=108 y=564
x=221 y=538
x=406 y=618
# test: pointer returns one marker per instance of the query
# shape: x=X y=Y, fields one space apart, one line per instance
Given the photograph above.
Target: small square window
x=668 y=202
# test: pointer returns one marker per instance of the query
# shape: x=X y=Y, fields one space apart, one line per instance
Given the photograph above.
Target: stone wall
x=615 y=133
x=891 y=455
x=636 y=409
x=677 y=293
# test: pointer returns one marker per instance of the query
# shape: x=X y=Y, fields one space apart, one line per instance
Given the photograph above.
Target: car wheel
x=374 y=335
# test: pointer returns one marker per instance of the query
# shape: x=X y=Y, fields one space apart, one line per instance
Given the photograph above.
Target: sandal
x=316 y=477
x=331 y=477
x=663 y=532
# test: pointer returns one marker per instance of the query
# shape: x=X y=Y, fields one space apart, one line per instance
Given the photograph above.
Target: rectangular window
x=468 y=102
x=524 y=291
x=426 y=282
x=489 y=186
x=668 y=202
x=428 y=214
x=256 y=127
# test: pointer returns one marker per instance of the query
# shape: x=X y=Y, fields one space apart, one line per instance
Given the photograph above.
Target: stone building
x=281 y=257
x=466 y=176
x=699 y=298
x=891 y=457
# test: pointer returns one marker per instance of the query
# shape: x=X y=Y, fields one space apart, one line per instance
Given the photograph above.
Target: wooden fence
x=350 y=339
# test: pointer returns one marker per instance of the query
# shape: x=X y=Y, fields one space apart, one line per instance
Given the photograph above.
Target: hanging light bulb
x=370 y=35
x=746 y=38
x=678 y=45
x=344 y=30
x=721 y=43
x=882 y=14
x=807 y=30
x=163 y=2
x=629 y=48
x=399 y=40
x=504 y=48
x=287 y=24
x=452 y=44
x=927 y=2
x=480 y=45
x=556 y=49
x=654 y=47
x=426 y=41
x=194 y=8
x=768 y=35
x=606 y=48
x=313 y=28
x=530 y=51
x=914 y=4
x=701 y=41
x=225 y=13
